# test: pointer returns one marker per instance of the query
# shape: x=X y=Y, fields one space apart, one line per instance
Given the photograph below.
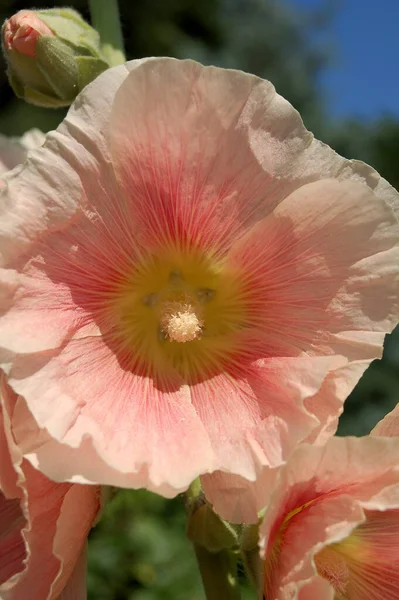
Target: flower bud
x=22 y=31
x=51 y=55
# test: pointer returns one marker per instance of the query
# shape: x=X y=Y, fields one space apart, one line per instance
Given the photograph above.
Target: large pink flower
x=331 y=527
x=184 y=265
x=43 y=524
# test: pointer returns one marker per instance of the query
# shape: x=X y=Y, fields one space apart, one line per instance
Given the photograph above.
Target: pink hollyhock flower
x=331 y=527
x=21 y=32
x=184 y=266
x=43 y=524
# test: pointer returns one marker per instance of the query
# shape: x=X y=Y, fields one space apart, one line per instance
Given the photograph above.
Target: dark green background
x=139 y=550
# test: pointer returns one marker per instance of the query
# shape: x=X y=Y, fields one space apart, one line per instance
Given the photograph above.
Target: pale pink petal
x=294 y=157
x=57 y=520
x=389 y=425
x=235 y=498
x=75 y=588
x=229 y=158
x=368 y=175
x=312 y=528
x=44 y=504
x=327 y=404
x=240 y=500
x=79 y=508
x=247 y=401
x=10 y=476
x=78 y=147
x=133 y=446
x=46 y=453
x=184 y=419
x=313 y=268
x=12 y=545
x=12 y=509
x=276 y=392
x=317 y=589
x=189 y=154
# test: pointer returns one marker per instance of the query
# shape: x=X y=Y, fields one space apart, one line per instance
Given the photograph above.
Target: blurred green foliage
x=139 y=551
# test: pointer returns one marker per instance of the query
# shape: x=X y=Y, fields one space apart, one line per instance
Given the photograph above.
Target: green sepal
x=70 y=27
x=58 y=65
x=38 y=99
x=25 y=70
x=249 y=545
x=218 y=573
x=249 y=537
x=89 y=68
x=205 y=528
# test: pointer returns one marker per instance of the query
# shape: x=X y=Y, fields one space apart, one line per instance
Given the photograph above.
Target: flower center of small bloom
x=181 y=310
x=344 y=564
x=180 y=322
x=332 y=566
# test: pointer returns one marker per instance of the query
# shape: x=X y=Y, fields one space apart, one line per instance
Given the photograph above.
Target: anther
x=161 y=335
x=150 y=300
x=205 y=294
x=180 y=322
x=175 y=276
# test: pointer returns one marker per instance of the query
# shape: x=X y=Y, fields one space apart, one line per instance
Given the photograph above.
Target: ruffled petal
x=327 y=404
x=317 y=589
x=188 y=156
x=274 y=418
x=235 y=498
x=141 y=435
x=389 y=425
x=324 y=270
x=222 y=145
x=12 y=545
x=289 y=561
x=76 y=588
x=52 y=526
x=13 y=520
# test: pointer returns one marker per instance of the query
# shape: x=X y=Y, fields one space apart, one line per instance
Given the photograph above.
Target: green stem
x=253 y=564
x=219 y=574
x=105 y=18
x=253 y=567
x=207 y=532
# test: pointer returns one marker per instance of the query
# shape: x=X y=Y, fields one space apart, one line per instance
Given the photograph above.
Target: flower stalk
x=249 y=545
x=219 y=573
x=215 y=544
x=105 y=18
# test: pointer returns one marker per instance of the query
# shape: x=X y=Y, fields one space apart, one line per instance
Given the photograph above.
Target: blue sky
x=364 y=77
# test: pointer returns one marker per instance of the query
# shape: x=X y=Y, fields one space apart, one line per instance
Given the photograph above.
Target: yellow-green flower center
x=179 y=309
x=331 y=565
